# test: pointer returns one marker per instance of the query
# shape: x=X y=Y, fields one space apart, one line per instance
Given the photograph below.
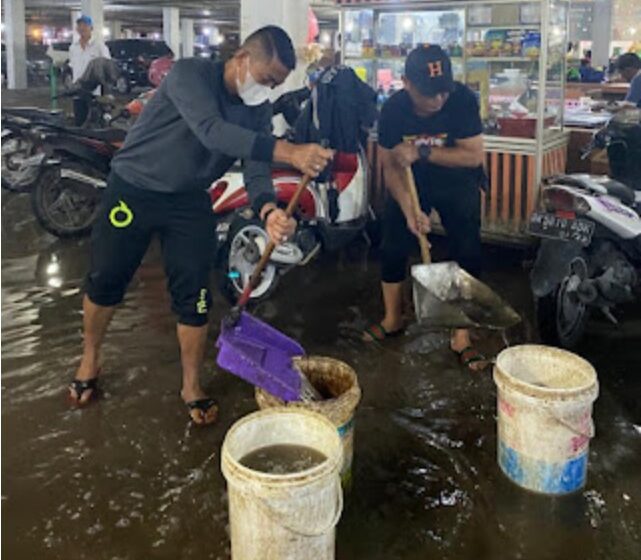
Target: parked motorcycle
x=337 y=110
x=20 y=160
x=93 y=102
x=21 y=157
x=72 y=176
x=331 y=213
x=590 y=254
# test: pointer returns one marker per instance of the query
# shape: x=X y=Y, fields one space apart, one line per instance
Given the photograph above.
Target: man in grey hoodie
x=204 y=116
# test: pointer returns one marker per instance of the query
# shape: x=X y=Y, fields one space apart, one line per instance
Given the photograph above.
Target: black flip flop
x=80 y=387
x=204 y=406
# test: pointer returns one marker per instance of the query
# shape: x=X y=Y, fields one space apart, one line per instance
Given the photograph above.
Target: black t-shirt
x=458 y=119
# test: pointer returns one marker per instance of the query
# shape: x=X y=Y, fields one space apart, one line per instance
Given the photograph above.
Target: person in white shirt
x=83 y=51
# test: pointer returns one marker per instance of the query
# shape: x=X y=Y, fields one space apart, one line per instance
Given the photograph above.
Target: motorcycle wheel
x=238 y=257
x=64 y=207
x=15 y=149
x=561 y=316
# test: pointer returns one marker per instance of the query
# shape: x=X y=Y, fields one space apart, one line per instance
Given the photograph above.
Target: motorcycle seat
x=110 y=135
x=34 y=114
x=621 y=191
x=599 y=184
x=32 y=111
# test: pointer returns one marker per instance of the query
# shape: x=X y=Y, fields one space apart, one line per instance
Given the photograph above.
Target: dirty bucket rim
x=502 y=376
x=352 y=393
x=230 y=463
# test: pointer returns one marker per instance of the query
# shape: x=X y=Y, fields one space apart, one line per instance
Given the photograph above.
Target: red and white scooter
x=330 y=215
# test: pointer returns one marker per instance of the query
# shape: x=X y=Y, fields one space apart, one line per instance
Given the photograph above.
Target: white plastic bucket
x=283 y=517
x=545 y=398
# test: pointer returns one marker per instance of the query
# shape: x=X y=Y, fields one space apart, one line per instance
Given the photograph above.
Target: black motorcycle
x=72 y=176
x=20 y=159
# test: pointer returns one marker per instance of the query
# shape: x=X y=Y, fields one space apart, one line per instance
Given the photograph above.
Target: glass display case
x=376 y=42
x=511 y=53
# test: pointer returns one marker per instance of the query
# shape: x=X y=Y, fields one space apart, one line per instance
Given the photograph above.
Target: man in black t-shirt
x=433 y=125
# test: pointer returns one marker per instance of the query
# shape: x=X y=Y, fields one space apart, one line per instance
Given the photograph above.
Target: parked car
x=134 y=57
x=59 y=53
x=206 y=51
x=38 y=64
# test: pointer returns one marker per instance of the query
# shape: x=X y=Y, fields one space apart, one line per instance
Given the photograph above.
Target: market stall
x=512 y=53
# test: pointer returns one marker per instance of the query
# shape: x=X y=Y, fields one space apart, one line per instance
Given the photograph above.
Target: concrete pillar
x=601 y=32
x=171 y=29
x=291 y=15
x=16 y=41
x=94 y=9
x=115 y=29
x=187 y=37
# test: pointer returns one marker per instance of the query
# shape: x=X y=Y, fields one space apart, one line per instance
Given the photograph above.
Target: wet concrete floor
x=128 y=478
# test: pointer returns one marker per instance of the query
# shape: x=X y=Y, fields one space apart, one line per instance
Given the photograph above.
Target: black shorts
x=128 y=219
x=459 y=207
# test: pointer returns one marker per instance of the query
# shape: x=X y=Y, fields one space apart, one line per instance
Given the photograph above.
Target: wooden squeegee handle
x=264 y=259
x=416 y=207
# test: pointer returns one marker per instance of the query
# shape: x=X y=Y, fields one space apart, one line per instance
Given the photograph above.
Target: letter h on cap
x=435 y=68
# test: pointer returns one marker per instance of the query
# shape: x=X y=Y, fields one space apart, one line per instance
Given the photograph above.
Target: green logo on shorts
x=121 y=215
x=201 y=304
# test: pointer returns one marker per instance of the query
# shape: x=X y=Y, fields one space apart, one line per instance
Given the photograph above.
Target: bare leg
x=96 y=319
x=192 y=342
x=460 y=341
x=393 y=301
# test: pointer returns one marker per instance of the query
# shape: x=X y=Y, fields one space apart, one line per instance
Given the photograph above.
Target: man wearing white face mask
x=204 y=116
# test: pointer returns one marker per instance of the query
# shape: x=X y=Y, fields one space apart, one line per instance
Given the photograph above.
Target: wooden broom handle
x=416 y=207
x=264 y=259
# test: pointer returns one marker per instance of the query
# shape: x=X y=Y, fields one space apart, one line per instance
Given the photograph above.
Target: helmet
x=158 y=69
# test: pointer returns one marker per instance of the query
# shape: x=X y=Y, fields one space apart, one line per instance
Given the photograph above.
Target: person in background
x=86 y=48
x=588 y=73
x=629 y=66
x=433 y=126
x=81 y=53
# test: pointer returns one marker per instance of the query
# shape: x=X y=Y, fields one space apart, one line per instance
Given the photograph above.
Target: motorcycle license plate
x=556 y=227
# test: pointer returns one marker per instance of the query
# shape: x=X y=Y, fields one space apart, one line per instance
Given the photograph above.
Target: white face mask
x=250 y=91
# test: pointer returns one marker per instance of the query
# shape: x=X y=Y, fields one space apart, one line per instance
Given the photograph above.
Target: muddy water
x=283 y=459
x=128 y=478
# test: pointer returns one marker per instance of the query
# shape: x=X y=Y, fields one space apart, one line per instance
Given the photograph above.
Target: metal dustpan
x=445 y=295
x=261 y=355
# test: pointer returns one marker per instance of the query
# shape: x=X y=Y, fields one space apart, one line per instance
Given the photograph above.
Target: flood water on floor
x=129 y=478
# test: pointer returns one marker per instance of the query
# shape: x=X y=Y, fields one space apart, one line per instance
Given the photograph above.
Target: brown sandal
x=470 y=356
x=377 y=333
